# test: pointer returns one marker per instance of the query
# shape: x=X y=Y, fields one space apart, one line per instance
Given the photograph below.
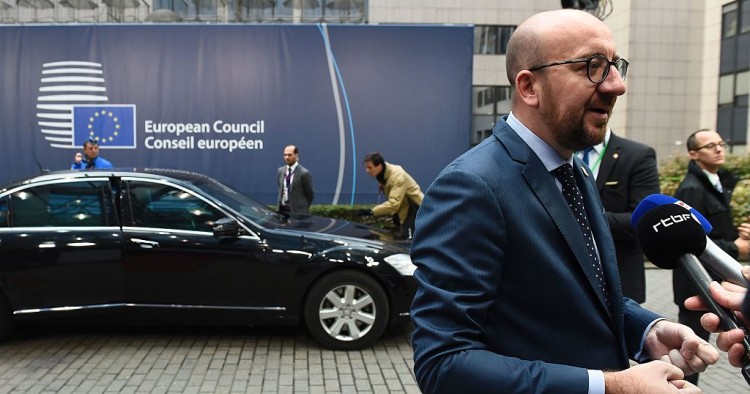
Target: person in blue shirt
x=91 y=159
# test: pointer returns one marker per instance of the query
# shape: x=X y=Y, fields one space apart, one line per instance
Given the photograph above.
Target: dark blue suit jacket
x=507 y=300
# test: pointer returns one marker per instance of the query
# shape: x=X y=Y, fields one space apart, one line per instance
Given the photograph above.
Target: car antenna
x=39 y=165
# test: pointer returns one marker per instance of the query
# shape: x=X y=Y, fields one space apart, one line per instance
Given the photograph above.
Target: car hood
x=323 y=225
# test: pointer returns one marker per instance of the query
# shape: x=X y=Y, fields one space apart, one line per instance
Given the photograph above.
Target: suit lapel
x=295 y=178
x=604 y=243
x=611 y=155
x=544 y=187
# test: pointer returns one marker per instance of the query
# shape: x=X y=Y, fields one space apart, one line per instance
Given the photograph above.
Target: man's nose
x=613 y=84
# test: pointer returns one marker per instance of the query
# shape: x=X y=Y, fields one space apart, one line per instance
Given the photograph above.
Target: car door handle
x=145 y=244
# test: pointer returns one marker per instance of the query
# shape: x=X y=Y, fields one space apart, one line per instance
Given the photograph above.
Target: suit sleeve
x=458 y=262
x=643 y=181
x=307 y=185
x=637 y=319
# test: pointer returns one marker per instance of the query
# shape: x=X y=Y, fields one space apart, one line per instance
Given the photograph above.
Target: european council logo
x=112 y=126
x=73 y=106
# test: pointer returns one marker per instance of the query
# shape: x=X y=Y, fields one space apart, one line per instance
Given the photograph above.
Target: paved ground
x=238 y=360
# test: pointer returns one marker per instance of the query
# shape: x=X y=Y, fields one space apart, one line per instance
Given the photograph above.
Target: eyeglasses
x=712 y=145
x=597 y=67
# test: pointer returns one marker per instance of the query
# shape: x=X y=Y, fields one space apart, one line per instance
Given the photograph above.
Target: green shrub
x=673 y=169
x=671 y=172
x=348 y=212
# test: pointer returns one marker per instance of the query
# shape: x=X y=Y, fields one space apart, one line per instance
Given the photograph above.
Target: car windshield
x=239 y=202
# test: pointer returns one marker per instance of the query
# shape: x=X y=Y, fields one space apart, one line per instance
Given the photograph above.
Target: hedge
x=671 y=172
x=673 y=169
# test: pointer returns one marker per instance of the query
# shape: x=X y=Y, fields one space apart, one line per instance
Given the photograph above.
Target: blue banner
x=225 y=100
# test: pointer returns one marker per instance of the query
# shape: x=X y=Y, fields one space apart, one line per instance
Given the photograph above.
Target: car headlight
x=402 y=263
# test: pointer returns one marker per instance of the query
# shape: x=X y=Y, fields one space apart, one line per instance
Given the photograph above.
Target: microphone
x=655 y=200
x=713 y=257
x=722 y=264
x=670 y=238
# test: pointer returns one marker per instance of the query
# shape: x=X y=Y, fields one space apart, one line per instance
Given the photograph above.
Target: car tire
x=6 y=319
x=346 y=310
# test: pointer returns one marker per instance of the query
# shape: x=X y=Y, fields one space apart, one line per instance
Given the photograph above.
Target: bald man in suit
x=517 y=283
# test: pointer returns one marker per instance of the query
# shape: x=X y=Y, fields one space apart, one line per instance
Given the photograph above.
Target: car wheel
x=6 y=319
x=346 y=310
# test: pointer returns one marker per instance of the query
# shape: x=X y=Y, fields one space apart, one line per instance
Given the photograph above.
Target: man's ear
x=526 y=90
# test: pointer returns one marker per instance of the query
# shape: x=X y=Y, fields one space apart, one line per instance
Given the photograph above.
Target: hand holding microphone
x=729 y=296
x=672 y=236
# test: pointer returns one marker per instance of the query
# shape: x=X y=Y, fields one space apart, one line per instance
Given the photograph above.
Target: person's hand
x=677 y=344
x=78 y=158
x=729 y=296
x=743 y=246
x=363 y=212
x=654 y=377
x=744 y=230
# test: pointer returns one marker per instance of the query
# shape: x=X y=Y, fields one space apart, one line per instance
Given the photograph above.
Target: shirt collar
x=549 y=157
x=713 y=178
x=598 y=148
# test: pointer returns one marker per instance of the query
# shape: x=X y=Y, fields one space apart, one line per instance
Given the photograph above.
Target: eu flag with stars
x=112 y=126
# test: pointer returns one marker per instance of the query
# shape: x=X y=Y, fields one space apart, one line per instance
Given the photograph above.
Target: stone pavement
x=239 y=360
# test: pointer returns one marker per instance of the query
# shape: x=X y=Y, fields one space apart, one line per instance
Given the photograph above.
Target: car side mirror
x=226 y=227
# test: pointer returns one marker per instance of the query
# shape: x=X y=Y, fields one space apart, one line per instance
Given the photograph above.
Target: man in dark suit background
x=708 y=188
x=625 y=172
x=295 y=184
x=518 y=290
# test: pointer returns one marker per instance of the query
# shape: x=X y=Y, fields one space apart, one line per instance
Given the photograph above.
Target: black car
x=151 y=246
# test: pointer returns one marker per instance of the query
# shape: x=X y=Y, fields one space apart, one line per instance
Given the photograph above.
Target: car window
x=257 y=212
x=76 y=204
x=4 y=212
x=163 y=206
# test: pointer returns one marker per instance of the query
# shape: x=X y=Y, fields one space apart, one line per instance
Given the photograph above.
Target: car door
x=60 y=246
x=172 y=258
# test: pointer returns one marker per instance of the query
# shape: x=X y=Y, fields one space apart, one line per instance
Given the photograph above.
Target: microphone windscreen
x=655 y=200
x=648 y=203
x=668 y=231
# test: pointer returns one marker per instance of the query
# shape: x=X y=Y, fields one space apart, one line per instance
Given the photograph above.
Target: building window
x=742 y=87
x=734 y=79
x=488 y=103
x=260 y=11
x=729 y=21
x=492 y=40
x=726 y=89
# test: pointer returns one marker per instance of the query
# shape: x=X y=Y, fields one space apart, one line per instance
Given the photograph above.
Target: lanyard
x=599 y=159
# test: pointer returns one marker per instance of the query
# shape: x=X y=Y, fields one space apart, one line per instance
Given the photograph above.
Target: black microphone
x=713 y=257
x=670 y=238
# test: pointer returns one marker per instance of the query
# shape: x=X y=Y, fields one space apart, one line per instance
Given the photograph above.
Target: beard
x=579 y=136
x=571 y=130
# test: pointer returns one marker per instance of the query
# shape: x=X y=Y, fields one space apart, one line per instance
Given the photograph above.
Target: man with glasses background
x=517 y=282
x=708 y=188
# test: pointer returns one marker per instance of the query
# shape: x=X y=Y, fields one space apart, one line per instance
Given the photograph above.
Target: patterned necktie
x=573 y=196
x=288 y=183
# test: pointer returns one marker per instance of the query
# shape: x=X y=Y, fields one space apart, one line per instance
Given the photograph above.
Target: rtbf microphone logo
x=73 y=107
x=671 y=220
